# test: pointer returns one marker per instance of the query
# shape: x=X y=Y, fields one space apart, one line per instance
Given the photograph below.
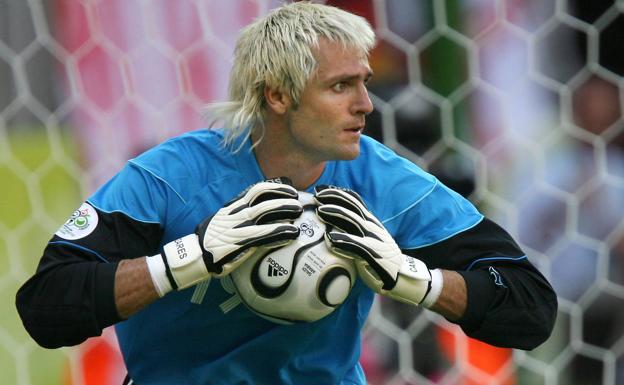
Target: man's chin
x=350 y=154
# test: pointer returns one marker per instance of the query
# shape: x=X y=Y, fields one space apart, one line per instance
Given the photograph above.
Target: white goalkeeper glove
x=262 y=215
x=358 y=234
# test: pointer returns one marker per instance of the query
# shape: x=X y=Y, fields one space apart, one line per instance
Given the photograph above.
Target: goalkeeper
x=146 y=250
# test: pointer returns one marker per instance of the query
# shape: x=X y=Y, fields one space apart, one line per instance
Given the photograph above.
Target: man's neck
x=277 y=159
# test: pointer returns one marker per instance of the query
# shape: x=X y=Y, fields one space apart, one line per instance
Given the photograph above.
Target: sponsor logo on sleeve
x=498 y=279
x=82 y=223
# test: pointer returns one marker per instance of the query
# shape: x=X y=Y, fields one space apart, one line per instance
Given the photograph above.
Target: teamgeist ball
x=302 y=281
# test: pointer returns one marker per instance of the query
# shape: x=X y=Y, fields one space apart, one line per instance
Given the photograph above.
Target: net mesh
x=516 y=104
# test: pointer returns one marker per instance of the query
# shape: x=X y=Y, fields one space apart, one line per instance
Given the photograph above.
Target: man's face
x=329 y=120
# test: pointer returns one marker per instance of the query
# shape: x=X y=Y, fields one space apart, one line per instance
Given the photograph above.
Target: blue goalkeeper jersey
x=203 y=335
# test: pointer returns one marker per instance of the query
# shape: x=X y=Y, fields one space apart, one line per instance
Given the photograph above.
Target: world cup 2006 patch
x=82 y=223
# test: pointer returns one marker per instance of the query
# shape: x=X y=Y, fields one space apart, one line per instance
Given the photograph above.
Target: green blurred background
x=37 y=195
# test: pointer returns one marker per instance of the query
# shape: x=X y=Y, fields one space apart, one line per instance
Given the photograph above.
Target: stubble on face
x=326 y=122
x=329 y=118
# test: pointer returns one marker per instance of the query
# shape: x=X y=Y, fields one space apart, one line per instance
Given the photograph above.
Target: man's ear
x=276 y=100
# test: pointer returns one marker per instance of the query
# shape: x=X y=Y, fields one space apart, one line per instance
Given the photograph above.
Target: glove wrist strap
x=158 y=272
x=437 y=281
x=184 y=260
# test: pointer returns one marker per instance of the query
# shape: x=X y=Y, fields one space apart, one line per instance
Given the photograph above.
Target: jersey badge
x=81 y=223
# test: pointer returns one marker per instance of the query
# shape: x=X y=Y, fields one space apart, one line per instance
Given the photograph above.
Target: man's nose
x=363 y=104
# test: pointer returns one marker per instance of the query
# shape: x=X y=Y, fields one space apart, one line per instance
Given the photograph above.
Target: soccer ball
x=301 y=282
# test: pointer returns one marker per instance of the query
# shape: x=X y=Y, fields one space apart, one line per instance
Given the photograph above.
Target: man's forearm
x=134 y=288
x=453 y=299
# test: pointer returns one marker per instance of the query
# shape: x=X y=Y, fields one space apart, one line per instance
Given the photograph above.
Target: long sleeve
x=510 y=303
x=65 y=303
x=71 y=295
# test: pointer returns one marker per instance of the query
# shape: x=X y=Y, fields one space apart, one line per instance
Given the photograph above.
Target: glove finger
x=339 y=251
x=346 y=198
x=269 y=235
x=271 y=211
x=264 y=191
x=341 y=197
x=341 y=218
x=349 y=245
x=349 y=222
x=223 y=268
x=370 y=277
x=324 y=189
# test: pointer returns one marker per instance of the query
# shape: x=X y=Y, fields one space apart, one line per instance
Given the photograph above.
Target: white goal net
x=516 y=104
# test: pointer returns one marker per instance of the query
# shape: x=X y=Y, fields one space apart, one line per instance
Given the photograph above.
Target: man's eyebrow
x=347 y=77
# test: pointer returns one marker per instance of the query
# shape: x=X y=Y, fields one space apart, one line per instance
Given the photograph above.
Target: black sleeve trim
x=510 y=303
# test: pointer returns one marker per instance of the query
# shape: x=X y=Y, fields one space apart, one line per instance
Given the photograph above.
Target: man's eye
x=338 y=87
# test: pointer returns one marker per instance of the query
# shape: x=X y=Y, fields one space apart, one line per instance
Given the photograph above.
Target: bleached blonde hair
x=276 y=51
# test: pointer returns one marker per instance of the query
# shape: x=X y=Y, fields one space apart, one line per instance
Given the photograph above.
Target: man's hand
x=262 y=215
x=358 y=234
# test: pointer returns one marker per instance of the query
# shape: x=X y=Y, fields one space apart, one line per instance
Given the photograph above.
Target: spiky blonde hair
x=277 y=51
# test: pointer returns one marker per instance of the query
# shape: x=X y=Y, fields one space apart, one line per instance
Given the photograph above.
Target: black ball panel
x=327 y=279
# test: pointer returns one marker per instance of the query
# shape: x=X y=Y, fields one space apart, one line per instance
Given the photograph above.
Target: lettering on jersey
x=232 y=302
x=228 y=286
x=200 y=292
x=81 y=223
x=280 y=180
